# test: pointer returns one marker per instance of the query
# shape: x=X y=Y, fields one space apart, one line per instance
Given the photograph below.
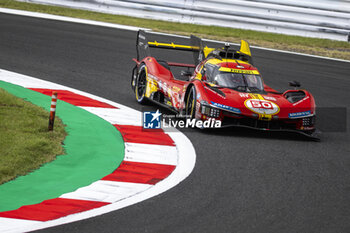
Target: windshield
x=241 y=82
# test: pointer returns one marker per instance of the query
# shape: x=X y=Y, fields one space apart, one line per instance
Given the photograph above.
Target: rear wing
x=143 y=48
x=199 y=51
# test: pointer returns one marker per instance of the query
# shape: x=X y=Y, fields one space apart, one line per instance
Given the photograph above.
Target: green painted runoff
x=94 y=148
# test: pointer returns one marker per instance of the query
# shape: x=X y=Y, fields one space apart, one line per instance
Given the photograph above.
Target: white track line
x=118 y=26
x=131 y=28
x=69 y=19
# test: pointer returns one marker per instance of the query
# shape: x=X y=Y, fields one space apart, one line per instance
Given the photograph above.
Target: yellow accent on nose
x=265 y=117
x=258 y=96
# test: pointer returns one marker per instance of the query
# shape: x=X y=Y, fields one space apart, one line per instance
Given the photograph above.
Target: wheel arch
x=139 y=72
x=188 y=91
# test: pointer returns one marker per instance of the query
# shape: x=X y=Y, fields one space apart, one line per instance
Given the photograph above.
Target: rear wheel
x=141 y=83
x=191 y=103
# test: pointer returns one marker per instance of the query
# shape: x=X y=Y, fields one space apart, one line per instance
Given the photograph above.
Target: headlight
x=209 y=111
x=308 y=121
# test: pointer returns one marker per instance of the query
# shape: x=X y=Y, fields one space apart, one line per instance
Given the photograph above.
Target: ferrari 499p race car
x=221 y=84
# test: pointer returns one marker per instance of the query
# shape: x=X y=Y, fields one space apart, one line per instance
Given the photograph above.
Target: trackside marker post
x=52 y=110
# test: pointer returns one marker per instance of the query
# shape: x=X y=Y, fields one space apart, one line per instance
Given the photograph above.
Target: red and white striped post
x=52 y=110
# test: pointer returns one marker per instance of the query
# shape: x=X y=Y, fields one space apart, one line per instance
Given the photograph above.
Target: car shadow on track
x=252 y=133
x=236 y=131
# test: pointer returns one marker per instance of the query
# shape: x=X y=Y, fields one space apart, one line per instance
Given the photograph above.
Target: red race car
x=223 y=85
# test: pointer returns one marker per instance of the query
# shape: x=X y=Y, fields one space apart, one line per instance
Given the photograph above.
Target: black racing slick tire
x=190 y=109
x=141 y=84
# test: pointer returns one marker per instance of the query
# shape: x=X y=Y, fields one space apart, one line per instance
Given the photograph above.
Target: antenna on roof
x=227 y=46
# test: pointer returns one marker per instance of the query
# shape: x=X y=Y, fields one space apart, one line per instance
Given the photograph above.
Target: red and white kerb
x=153 y=163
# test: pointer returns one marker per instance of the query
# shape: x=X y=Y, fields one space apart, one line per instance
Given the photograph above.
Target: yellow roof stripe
x=216 y=61
x=239 y=71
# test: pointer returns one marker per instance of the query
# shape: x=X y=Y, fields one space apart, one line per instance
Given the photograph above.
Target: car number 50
x=261 y=104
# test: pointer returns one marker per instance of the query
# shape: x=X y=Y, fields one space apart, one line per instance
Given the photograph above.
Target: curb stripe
x=107 y=191
x=148 y=153
x=117 y=117
x=137 y=134
x=52 y=209
x=143 y=173
x=73 y=98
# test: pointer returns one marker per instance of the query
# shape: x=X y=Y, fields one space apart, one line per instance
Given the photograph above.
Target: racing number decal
x=262 y=106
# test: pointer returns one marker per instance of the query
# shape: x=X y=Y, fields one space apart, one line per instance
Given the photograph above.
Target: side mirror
x=203 y=71
x=294 y=84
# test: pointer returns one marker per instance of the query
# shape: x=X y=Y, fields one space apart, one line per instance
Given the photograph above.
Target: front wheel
x=191 y=103
x=140 y=87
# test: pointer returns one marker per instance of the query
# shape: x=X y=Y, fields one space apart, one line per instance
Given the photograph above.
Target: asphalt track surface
x=244 y=180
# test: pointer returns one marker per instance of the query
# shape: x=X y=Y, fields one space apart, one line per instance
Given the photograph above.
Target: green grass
x=322 y=47
x=25 y=142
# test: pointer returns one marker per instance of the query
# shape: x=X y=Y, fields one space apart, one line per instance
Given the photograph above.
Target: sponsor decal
x=270 y=98
x=151 y=77
x=169 y=92
x=265 y=107
x=175 y=98
x=244 y=95
x=225 y=107
x=175 y=89
x=165 y=87
x=238 y=71
x=299 y=114
x=151 y=120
